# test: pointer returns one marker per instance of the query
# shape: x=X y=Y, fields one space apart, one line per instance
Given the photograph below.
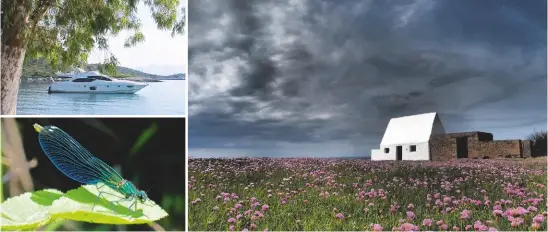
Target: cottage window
x=386 y=150
x=413 y=148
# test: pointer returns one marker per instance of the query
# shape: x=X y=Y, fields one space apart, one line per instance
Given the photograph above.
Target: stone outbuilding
x=423 y=137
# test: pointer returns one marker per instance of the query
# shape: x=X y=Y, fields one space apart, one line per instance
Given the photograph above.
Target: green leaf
x=144 y=137
x=32 y=210
x=77 y=205
x=29 y=210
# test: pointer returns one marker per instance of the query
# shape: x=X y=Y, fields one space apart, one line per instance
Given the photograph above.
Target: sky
x=322 y=78
x=160 y=53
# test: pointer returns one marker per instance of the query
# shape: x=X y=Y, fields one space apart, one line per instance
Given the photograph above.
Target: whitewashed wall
x=422 y=152
x=380 y=155
x=377 y=154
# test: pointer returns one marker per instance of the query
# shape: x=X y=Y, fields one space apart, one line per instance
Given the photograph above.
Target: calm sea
x=159 y=98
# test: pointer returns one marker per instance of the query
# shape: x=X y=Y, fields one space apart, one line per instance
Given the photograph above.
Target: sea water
x=159 y=98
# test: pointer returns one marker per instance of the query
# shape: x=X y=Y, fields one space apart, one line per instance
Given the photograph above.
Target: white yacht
x=95 y=82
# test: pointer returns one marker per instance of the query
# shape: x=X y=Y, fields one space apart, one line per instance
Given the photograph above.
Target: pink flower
x=444 y=227
x=427 y=222
x=239 y=216
x=376 y=227
x=437 y=195
x=439 y=223
x=438 y=202
x=480 y=226
x=517 y=222
x=231 y=227
x=497 y=212
x=238 y=206
x=265 y=208
x=539 y=218
x=231 y=220
x=465 y=214
x=468 y=227
x=522 y=211
x=487 y=202
x=340 y=216
x=252 y=226
x=408 y=227
x=410 y=206
x=410 y=215
x=535 y=226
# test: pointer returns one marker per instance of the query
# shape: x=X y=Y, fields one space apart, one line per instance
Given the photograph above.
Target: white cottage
x=407 y=138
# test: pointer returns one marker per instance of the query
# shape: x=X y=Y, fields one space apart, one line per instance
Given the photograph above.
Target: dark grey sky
x=323 y=78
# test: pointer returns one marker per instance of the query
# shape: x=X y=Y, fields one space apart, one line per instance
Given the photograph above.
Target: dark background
x=158 y=167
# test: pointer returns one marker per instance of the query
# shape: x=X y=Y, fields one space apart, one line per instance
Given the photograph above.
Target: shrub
x=538 y=140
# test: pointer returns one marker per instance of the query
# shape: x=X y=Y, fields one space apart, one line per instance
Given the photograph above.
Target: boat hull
x=112 y=89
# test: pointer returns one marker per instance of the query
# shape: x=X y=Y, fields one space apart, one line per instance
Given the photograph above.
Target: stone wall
x=480 y=146
x=483 y=136
x=526 y=148
x=474 y=135
x=442 y=148
x=494 y=149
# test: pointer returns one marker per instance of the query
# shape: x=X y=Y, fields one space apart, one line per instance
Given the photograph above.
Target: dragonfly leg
x=102 y=193
x=135 y=203
x=98 y=196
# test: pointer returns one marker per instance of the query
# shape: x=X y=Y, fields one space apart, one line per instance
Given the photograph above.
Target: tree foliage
x=65 y=31
x=539 y=143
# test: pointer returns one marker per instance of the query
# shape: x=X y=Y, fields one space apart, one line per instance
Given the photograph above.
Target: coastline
x=136 y=79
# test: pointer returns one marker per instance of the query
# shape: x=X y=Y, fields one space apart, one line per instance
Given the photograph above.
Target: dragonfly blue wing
x=72 y=159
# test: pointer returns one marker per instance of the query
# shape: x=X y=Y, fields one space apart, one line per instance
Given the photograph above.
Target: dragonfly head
x=142 y=196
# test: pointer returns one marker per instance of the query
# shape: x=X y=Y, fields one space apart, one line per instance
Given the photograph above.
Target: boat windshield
x=103 y=78
x=83 y=80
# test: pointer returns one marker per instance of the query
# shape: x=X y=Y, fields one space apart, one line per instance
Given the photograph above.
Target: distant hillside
x=40 y=68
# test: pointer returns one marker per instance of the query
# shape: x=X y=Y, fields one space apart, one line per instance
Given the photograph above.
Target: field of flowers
x=345 y=194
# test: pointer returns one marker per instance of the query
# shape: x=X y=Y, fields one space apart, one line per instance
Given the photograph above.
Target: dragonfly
x=73 y=160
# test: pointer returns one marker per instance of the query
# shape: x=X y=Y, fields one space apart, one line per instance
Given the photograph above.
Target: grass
x=309 y=194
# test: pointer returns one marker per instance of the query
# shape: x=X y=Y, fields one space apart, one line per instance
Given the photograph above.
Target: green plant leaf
x=144 y=137
x=35 y=209
x=111 y=208
x=29 y=210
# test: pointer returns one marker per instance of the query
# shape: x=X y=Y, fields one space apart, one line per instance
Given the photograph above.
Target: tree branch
x=14 y=17
x=39 y=11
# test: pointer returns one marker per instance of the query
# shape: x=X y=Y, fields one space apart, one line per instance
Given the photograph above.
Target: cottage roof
x=412 y=129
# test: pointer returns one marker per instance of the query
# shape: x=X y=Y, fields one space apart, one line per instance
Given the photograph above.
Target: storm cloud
x=323 y=78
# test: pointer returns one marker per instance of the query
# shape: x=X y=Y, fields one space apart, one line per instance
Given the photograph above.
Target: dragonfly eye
x=142 y=196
